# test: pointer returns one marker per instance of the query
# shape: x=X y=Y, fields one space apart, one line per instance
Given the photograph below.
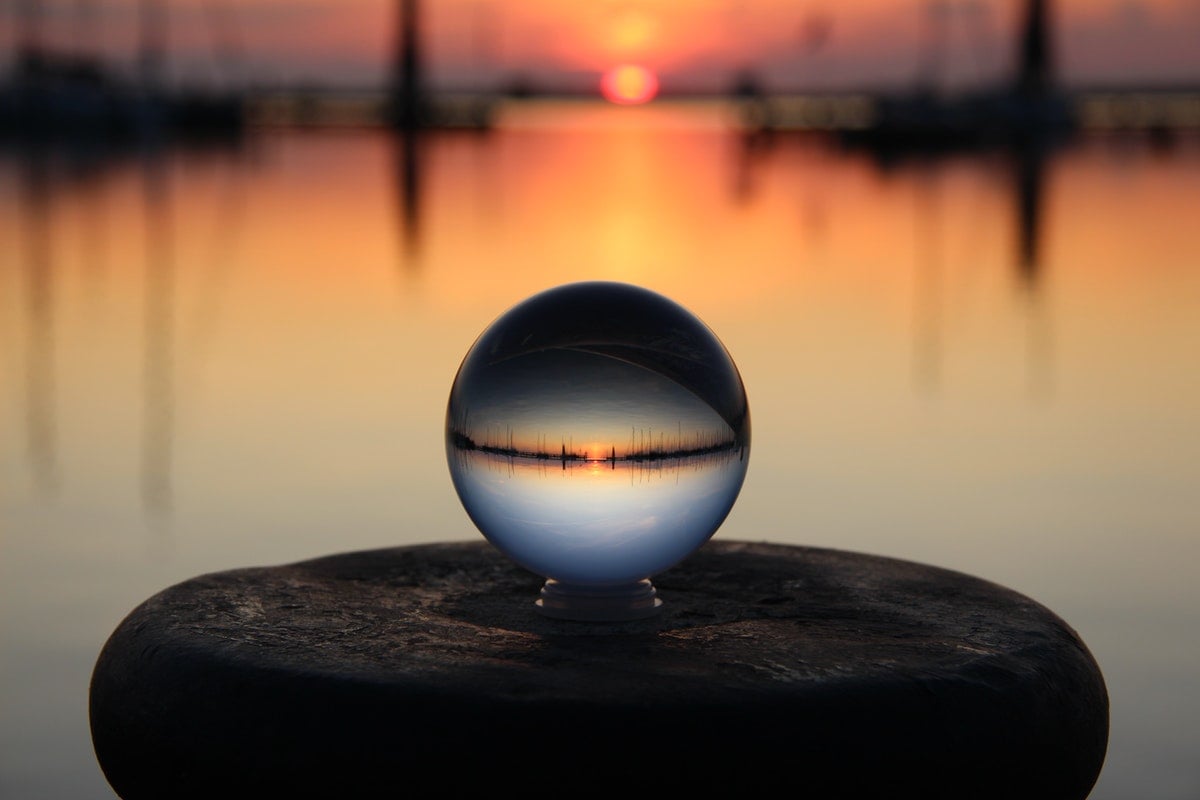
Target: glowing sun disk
x=629 y=84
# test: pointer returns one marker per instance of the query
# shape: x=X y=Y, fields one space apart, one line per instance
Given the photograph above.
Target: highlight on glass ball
x=598 y=434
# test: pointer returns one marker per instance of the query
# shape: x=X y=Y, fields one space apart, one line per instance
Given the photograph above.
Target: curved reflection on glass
x=597 y=434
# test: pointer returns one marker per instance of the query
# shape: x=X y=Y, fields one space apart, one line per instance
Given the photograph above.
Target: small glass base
x=599 y=603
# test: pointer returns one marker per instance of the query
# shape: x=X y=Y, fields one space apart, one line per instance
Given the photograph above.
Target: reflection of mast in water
x=159 y=400
x=408 y=152
x=753 y=149
x=206 y=314
x=1030 y=168
x=42 y=441
x=94 y=235
x=927 y=351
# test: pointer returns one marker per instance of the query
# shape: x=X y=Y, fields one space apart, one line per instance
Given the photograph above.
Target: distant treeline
x=642 y=447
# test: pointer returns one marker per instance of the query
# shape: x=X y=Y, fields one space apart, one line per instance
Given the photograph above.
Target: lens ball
x=597 y=434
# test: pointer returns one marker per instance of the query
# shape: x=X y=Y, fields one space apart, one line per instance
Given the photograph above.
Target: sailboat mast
x=406 y=77
x=1034 y=56
x=28 y=29
x=152 y=47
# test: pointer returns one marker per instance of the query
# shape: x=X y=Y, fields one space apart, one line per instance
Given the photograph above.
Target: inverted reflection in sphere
x=597 y=434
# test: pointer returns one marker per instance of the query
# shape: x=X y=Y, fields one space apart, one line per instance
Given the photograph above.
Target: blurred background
x=951 y=245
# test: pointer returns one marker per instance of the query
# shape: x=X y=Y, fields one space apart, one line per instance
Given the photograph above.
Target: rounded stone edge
x=127 y=660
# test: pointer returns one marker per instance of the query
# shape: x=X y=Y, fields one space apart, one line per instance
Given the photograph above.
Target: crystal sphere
x=597 y=433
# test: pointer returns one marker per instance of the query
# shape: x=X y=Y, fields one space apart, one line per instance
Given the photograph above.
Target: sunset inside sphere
x=597 y=434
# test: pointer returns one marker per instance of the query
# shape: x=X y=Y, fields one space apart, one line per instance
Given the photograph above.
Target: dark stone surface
x=424 y=671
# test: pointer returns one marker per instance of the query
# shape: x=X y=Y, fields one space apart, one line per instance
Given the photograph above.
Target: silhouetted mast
x=1034 y=57
x=407 y=79
x=152 y=49
x=87 y=31
x=29 y=29
x=933 y=60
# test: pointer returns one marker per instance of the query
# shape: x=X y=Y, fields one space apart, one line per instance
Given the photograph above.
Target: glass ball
x=597 y=434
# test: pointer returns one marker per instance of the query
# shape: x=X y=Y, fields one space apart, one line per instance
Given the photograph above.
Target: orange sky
x=696 y=43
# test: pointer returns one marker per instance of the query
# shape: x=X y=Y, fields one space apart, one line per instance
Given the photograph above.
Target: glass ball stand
x=619 y=603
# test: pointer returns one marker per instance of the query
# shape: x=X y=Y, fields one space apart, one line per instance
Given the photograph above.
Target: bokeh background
x=951 y=246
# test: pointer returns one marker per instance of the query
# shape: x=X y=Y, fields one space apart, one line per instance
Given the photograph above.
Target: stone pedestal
x=425 y=672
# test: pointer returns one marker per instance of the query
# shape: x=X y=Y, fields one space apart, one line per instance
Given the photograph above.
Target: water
x=219 y=360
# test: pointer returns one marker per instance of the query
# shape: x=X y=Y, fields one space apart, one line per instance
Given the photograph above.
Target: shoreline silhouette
x=637 y=452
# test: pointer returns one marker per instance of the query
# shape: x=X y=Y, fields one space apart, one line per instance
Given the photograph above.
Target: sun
x=629 y=84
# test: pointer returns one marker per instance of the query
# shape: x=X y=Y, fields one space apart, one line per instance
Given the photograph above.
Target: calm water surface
x=217 y=360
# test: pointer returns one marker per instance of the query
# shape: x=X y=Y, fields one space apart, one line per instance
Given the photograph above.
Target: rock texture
x=424 y=671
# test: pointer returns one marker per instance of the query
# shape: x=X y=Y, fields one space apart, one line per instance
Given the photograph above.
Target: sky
x=691 y=44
